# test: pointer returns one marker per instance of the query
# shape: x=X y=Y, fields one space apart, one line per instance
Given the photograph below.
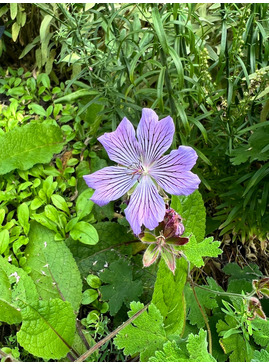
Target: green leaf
x=145 y=335
x=121 y=287
x=83 y=204
x=93 y=258
x=9 y=313
x=85 y=233
x=168 y=296
x=53 y=267
x=158 y=25
x=23 y=217
x=170 y=353
x=60 y=203
x=4 y=240
x=89 y=296
x=195 y=251
x=198 y=348
x=37 y=109
x=13 y=10
x=207 y=300
x=48 y=329
x=261 y=332
x=260 y=356
x=24 y=146
x=191 y=209
x=248 y=272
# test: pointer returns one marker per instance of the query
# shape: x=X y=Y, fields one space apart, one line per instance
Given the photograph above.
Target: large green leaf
x=24 y=146
x=261 y=356
x=48 y=328
x=121 y=287
x=191 y=209
x=168 y=296
x=198 y=348
x=53 y=267
x=170 y=353
x=145 y=335
x=91 y=259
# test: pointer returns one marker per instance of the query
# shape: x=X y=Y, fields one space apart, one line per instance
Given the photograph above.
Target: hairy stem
x=110 y=336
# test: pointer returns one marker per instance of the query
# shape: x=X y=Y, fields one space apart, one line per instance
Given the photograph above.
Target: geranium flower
x=141 y=163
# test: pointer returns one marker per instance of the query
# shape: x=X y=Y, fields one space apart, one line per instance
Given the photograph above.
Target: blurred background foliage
x=204 y=64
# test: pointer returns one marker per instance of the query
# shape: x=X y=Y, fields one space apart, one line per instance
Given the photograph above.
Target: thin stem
x=225 y=293
x=204 y=317
x=7 y=356
x=110 y=336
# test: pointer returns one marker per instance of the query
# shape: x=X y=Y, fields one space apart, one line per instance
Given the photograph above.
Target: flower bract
x=141 y=164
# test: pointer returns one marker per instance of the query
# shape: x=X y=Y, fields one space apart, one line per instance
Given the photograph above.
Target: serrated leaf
x=195 y=251
x=261 y=332
x=168 y=296
x=207 y=300
x=170 y=353
x=121 y=287
x=191 y=209
x=93 y=258
x=54 y=269
x=248 y=272
x=48 y=329
x=260 y=356
x=198 y=348
x=84 y=232
x=24 y=146
x=145 y=335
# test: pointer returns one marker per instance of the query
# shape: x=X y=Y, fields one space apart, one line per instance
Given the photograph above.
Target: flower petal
x=146 y=206
x=110 y=183
x=121 y=145
x=172 y=171
x=154 y=136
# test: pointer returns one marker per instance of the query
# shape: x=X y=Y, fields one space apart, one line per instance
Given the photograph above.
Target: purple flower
x=141 y=162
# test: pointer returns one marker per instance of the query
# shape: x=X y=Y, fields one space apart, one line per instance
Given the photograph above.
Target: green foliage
x=120 y=287
x=170 y=353
x=247 y=273
x=48 y=328
x=145 y=335
x=260 y=356
x=53 y=267
x=168 y=296
x=191 y=209
x=28 y=145
x=195 y=251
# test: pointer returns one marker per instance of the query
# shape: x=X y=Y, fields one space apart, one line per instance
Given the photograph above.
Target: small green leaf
x=4 y=240
x=93 y=281
x=60 y=203
x=48 y=329
x=23 y=217
x=85 y=233
x=89 y=296
x=84 y=205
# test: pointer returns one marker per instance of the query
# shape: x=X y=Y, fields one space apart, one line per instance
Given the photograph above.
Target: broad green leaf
x=248 y=272
x=8 y=312
x=24 y=146
x=191 y=209
x=53 y=267
x=168 y=296
x=198 y=348
x=261 y=332
x=83 y=204
x=84 y=232
x=207 y=300
x=60 y=203
x=48 y=329
x=145 y=335
x=170 y=353
x=121 y=287
x=23 y=217
x=195 y=251
x=4 y=240
x=112 y=237
x=89 y=296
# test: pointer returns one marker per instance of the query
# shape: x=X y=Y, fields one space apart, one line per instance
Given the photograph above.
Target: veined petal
x=146 y=207
x=110 y=183
x=150 y=255
x=172 y=171
x=121 y=145
x=154 y=136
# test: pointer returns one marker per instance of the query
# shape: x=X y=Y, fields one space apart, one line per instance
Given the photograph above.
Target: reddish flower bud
x=172 y=224
x=261 y=287
x=255 y=309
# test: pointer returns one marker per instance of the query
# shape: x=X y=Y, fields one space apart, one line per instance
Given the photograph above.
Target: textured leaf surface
x=48 y=328
x=195 y=251
x=121 y=287
x=248 y=272
x=91 y=259
x=8 y=312
x=54 y=269
x=24 y=146
x=191 y=209
x=145 y=335
x=260 y=356
x=170 y=353
x=168 y=296
x=261 y=333
x=207 y=300
x=198 y=348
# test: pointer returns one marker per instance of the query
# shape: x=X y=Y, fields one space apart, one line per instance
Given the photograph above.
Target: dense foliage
x=71 y=272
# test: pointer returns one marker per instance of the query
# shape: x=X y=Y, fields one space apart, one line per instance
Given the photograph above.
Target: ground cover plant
x=134 y=182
